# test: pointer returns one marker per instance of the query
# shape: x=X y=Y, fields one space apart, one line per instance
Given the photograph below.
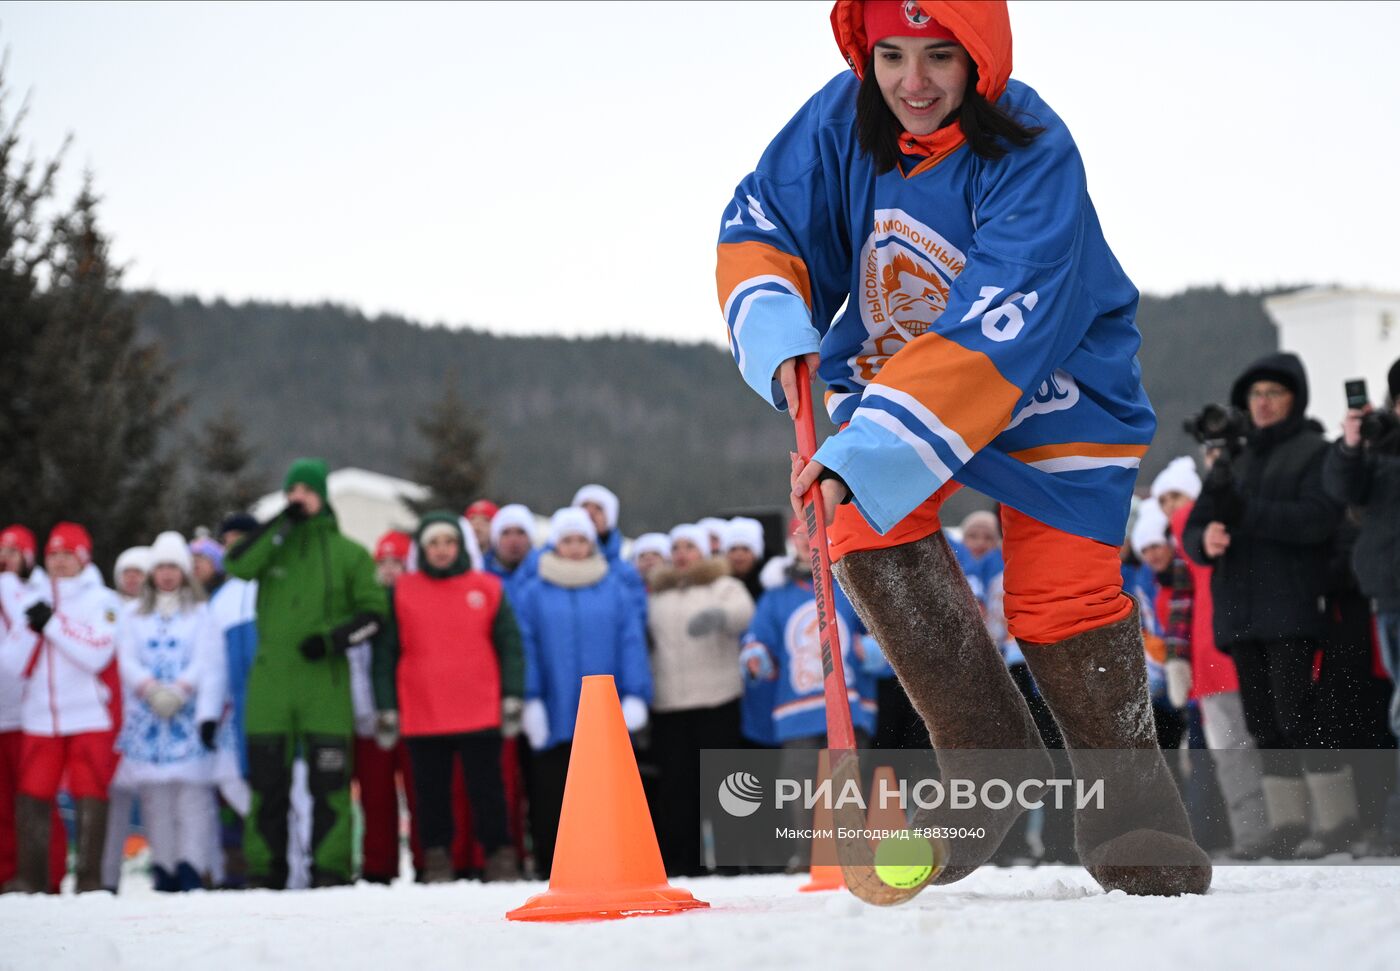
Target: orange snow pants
x=1056 y=584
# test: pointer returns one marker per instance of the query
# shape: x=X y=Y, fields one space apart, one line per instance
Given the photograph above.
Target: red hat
x=983 y=27
x=483 y=507
x=70 y=538
x=900 y=18
x=20 y=537
x=393 y=544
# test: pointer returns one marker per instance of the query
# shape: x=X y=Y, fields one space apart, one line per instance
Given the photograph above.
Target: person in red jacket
x=60 y=651
x=19 y=574
x=449 y=675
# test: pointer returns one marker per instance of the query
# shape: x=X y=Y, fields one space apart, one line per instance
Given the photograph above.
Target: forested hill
x=671 y=428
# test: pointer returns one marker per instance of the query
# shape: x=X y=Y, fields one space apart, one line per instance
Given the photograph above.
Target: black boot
x=187 y=878
x=1140 y=840
x=917 y=605
x=92 y=839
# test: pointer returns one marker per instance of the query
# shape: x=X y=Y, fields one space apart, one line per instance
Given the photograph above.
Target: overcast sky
x=545 y=167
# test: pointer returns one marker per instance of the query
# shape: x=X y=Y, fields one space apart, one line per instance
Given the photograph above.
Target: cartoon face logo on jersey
x=914 y=14
x=907 y=273
x=914 y=296
x=803 y=637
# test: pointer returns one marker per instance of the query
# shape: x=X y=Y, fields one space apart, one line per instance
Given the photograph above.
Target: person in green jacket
x=317 y=596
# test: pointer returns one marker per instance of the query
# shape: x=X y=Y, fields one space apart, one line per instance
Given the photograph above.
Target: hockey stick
x=855 y=854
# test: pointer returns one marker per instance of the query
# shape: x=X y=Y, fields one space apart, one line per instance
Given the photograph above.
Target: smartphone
x=1356 y=393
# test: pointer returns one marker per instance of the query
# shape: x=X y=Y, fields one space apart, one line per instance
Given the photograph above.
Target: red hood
x=981 y=26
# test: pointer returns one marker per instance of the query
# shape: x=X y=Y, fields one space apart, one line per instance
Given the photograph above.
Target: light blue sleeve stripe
x=888 y=478
x=770 y=326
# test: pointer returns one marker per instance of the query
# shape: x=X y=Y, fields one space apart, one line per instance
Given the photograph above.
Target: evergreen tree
x=222 y=480
x=456 y=466
x=85 y=401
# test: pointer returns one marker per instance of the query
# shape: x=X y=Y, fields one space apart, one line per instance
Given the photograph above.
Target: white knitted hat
x=514 y=515
x=1180 y=475
x=693 y=533
x=743 y=531
x=170 y=547
x=651 y=543
x=136 y=558
x=571 y=521
x=604 y=497
x=1150 y=528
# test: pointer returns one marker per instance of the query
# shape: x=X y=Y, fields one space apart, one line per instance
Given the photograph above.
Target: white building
x=367 y=504
x=1340 y=334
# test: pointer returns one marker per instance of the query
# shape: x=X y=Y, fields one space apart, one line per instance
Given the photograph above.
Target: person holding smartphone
x=1363 y=471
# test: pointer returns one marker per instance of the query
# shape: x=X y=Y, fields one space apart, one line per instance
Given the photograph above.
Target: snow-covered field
x=1254 y=917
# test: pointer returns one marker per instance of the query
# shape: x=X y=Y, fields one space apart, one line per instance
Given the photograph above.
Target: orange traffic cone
x=823 y=876
x=606 y=861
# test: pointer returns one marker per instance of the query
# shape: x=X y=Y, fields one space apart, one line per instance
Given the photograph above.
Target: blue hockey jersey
x=972 y=322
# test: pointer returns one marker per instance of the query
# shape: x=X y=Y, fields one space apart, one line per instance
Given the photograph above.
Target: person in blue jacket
x=783 y=646
x=576 y=618
x=921 y=235
x=602 y=506
x=512 y=556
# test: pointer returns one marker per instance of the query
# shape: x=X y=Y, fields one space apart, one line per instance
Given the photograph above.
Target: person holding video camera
x=1363 y=471
x=1264 y=524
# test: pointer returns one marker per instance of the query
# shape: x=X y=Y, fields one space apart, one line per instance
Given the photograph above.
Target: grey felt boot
x=32 y=830
x=917 y=605
x=1139 y=840
x=92 y=840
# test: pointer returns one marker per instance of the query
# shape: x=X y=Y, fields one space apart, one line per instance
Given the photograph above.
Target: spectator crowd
x=241 y=695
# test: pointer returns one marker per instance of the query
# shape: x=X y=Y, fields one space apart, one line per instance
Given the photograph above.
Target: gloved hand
x=314 y=647
x=386 y=729
x=1178 y=681
x=38 y=615
x=295 y=512
x=163 y=699
x=208 y=732
x=756 y=662
x=511 y=710
x=634 y=713
x=357 y=630
x=706 y=622
x=534 y=722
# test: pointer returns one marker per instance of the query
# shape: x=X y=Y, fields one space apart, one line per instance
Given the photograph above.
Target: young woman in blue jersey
x=921 y=234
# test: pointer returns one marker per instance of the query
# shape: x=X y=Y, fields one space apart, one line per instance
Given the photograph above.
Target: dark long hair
x=988 y=128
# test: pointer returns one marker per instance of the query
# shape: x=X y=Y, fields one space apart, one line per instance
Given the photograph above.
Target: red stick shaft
x=840 y=736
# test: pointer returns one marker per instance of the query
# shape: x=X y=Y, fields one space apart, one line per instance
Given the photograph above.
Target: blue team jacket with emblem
x=972 y=322
x=785 y=622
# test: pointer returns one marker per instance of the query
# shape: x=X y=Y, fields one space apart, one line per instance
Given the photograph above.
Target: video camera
x=1219 y=426
x=1224 y=429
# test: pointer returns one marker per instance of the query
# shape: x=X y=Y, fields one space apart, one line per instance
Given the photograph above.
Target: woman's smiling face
x=922 y=80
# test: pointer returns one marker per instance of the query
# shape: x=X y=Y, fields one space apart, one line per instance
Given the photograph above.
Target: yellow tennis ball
x=903 y=860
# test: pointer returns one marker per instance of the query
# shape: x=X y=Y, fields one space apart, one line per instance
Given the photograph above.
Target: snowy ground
x=1270 y=917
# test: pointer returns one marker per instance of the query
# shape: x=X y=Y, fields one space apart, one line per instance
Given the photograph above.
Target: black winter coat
x=1270 y=584
x=1370 y=482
